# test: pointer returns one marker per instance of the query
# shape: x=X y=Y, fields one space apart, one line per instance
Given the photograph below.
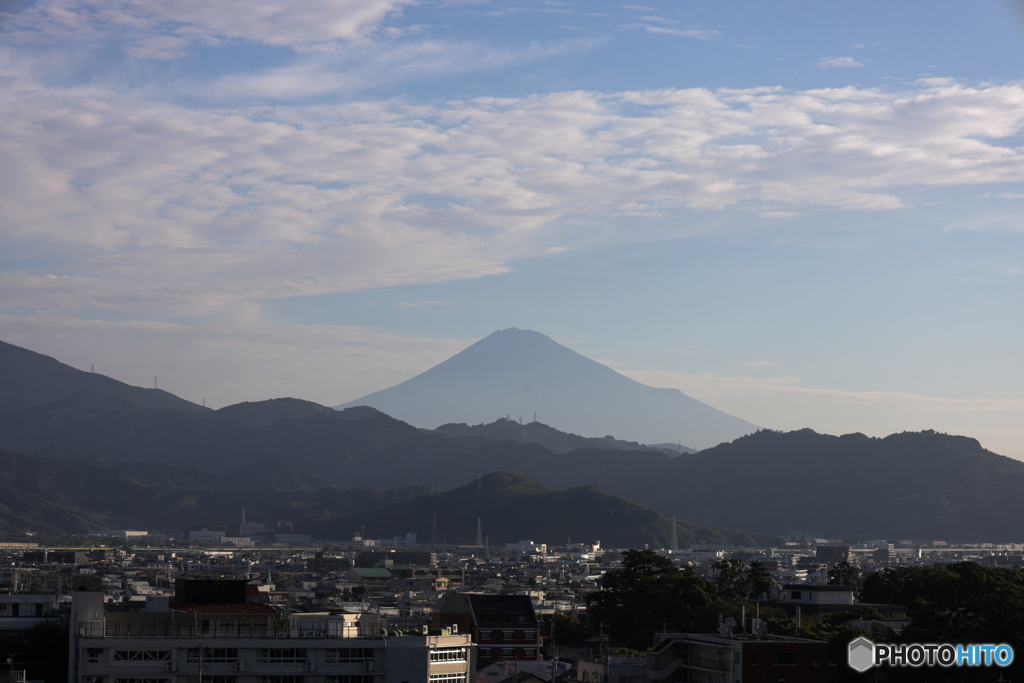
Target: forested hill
x=913 y=485
x=553 y=439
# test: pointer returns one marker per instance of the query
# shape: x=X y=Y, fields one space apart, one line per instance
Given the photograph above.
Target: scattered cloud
x=555 y=250
x=308 y=25
x=777 y=214
x=686 y=33
x=159 y=206
x=840 y=63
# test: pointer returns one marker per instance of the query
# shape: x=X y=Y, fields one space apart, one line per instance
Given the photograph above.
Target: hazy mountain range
x=516 y=373
x=61 y=492
x=921 y=485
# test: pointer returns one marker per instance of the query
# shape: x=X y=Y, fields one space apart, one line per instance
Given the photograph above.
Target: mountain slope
x=916 y=485
x=513 y=507
x=537 y=432
x=517 y=372
x=30 y=378
x=263 y=413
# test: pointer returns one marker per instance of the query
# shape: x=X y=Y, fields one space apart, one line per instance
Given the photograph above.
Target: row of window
x=212 y=655
x=141 y=655
x=486 y=634
x=17 y=609
x=507 y=652
x=448 y=654
x=448 y=678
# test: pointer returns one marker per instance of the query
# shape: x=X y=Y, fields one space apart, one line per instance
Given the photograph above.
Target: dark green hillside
x=30 y=378
x=915 y=485
x=263 y=413
x=537 y=432
x=70 y=493
x=514 y=507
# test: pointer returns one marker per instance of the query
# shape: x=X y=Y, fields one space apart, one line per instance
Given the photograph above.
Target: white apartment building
x=246 y=643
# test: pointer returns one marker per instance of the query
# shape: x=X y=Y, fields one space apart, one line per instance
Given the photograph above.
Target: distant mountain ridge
x=56 y=492
x=554 y=440
x=920 y=485
x=513 y=507
x=518 y=372
x=29 y=378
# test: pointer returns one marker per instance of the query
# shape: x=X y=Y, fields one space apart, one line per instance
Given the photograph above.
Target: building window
x=753 y=659
x=448 y=654
x=507 y=635
x=286 y=655
x=530 y=652
x=348 y=679
x=142 y=680
x=784 y=659
x=283 y=679
x=94 y=655
x=348 y=655
x=448 y=678
x=506 y=653
x=213 y=655
x=220 y=679
x=485 y=635
x=796 y=595
x=142 y=655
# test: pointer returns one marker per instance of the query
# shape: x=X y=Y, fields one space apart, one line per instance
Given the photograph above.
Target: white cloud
x=311 y=24
x=154 y=206
x=785 y=403
x=840 y=63
x=686 y=33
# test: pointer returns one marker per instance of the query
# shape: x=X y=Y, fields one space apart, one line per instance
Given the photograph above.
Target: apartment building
x=175 y=642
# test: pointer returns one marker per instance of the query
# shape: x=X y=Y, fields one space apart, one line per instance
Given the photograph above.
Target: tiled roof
x=225 y=609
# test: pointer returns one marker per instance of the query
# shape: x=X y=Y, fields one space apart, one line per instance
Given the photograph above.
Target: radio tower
x=433 y=532
x=479 y=534
x=673 y=543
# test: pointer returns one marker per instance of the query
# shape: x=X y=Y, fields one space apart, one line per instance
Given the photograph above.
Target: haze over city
x=803 y=214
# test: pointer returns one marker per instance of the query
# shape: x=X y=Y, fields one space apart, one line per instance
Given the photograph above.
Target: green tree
x=842 y=574
x=646 y=595
x=758 y=580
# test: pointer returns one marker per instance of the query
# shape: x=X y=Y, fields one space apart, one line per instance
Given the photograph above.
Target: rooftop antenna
x=92 y=368
x=535 y=416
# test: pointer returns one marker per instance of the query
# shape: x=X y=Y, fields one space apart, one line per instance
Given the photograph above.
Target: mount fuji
x=519 y=372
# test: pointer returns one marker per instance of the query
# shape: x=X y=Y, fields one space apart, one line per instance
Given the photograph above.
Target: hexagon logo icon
x=861 y=654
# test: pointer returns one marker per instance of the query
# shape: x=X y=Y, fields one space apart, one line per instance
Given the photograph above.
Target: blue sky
x=804 y=213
